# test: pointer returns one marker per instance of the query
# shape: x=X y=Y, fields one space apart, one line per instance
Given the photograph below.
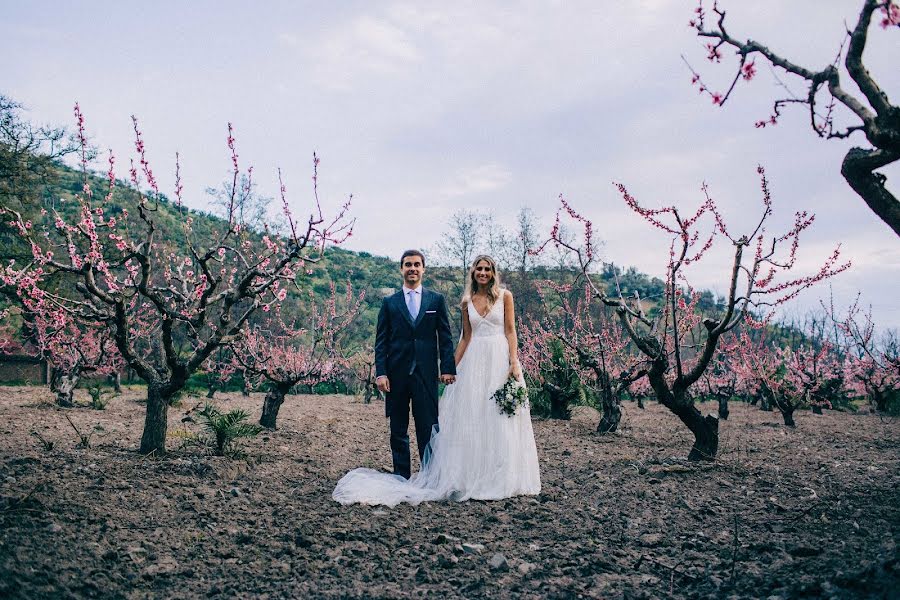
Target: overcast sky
x=422 y=108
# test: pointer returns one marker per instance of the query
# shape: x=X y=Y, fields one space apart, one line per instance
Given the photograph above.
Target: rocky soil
x=812 y=512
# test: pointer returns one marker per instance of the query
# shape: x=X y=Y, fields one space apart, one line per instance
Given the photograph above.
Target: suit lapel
x=422 y=305
x=401 y=306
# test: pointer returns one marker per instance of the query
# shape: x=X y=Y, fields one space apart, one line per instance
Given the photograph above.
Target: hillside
x=376 y=275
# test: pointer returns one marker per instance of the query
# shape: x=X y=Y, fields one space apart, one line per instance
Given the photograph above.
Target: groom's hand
x=447 y=379
x=383 y=384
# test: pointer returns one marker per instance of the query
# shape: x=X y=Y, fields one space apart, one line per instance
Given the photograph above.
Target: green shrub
x=226 y=429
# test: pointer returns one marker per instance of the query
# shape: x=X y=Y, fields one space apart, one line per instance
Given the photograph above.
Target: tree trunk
x=245 y=390
x=559 y=403
x=368 y=392
x=723 y=408
x=559 y=407
x=788 y=414
x=612 y=413
x=153 y=440
x=764 y=403
x=115 y=380
x=63 y=385
x=858 y=169
x=273 y=401
x=705 y=430
x=640 y=401
x=817 y=410
x=211 y=391
x=879 y=398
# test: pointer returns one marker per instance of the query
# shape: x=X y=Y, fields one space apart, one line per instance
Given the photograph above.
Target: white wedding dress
x=476 y=452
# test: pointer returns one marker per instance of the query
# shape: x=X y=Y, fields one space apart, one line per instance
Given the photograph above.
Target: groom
x=413 y=333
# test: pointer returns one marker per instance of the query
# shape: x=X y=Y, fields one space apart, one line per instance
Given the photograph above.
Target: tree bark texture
x=271 y=404
x=153 y=440
x=705 y=430
x=858 y=170
x=63 y=385
x=723 y=409
x=611 y=414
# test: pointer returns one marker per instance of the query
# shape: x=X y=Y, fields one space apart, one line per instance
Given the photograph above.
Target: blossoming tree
x=872 y=362
x=284 y=356
x=789 y=378
x=362 y=369
x=8 y=342
x=678 y=343
x=872 y=114
x=169 y=303
x=592 y=342
x=75 y=350
x=722 y=379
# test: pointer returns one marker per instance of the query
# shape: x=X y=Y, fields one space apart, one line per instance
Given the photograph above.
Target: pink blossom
x=748 y=71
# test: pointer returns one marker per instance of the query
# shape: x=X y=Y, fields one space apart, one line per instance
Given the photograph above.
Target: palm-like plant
x=226 y=428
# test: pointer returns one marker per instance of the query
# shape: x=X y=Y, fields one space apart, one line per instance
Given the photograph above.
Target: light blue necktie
x=411 y=304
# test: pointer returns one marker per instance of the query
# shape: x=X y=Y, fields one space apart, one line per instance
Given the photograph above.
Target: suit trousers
x=423 y=396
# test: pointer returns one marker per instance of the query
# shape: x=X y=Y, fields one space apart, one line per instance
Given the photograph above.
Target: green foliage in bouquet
x=511 y=395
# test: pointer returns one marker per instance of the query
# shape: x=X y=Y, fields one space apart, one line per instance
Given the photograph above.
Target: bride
x=477 y=451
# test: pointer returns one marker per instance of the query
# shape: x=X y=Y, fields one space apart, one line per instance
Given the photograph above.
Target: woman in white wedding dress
x=476 y=452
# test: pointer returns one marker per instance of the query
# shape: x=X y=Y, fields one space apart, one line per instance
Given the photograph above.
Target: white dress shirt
x=413 y=298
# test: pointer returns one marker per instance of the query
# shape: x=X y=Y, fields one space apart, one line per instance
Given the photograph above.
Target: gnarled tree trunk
x=723 y=408
x=272 y=402
x=788 y=414
x=705 y=430
x=609 y=421
x=369 y=392
x=611 y=412
x=153 y=440
x=676 y=399
x=787 y=410
x=559 y=402
x=63 y=385
x=115 y=380
x=858 y=170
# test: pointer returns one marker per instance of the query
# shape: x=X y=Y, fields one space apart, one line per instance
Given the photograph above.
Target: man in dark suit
x=412 y=336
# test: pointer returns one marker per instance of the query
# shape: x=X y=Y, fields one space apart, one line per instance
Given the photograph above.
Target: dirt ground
x=812 y=512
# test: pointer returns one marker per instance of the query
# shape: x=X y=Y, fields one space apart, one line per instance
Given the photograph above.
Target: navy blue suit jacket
x=403 y=345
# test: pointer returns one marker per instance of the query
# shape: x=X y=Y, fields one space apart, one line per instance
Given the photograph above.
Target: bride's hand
x=515 y=371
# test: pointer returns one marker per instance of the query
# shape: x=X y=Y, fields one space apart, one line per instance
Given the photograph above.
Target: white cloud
x=359 y=52
x=419 y=108
x=475 y=180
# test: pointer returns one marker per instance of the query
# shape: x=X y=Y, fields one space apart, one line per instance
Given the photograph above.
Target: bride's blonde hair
x=493 y=287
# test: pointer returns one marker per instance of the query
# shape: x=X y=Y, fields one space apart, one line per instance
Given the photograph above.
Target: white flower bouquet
x=511 y=396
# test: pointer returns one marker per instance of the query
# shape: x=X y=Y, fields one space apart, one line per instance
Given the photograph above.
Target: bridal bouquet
x=511 y=396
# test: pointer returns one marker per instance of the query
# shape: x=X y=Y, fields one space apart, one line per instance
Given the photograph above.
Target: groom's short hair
x=412 y=253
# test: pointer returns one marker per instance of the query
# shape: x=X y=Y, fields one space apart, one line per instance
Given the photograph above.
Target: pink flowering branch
x=874 y=115
x=169 y=306
x=285 y=356
x=871 y=366
x=680 y=343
